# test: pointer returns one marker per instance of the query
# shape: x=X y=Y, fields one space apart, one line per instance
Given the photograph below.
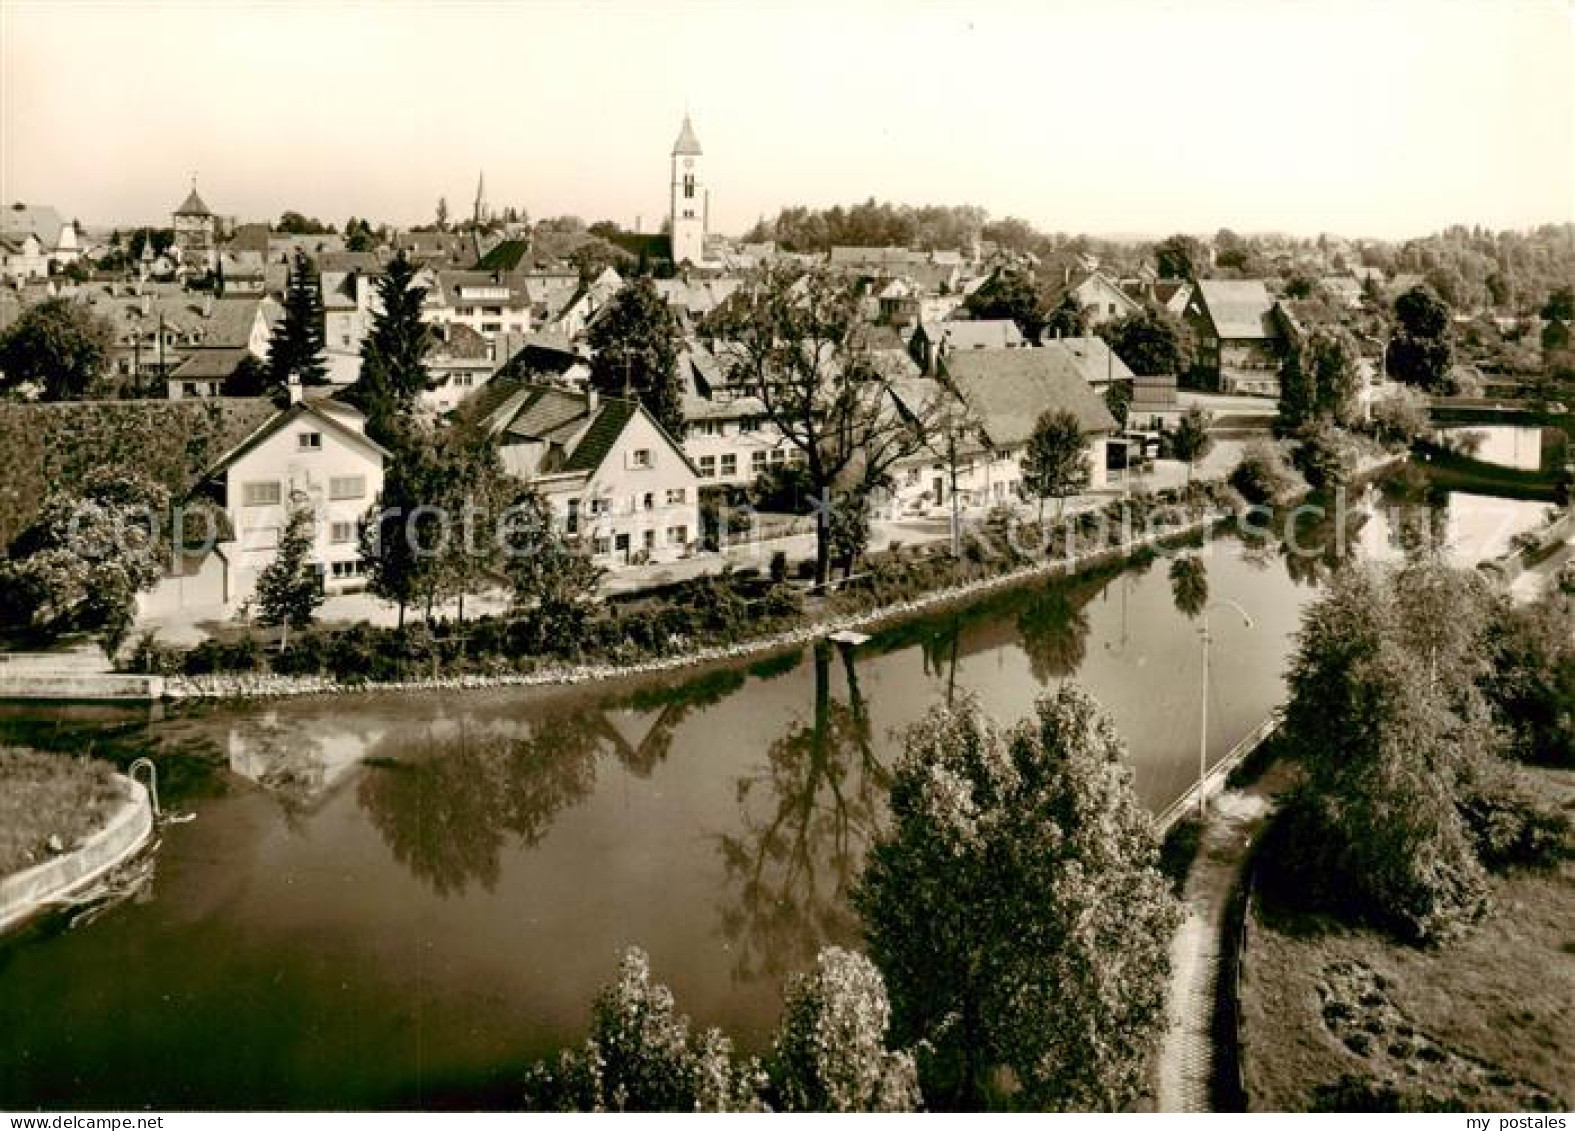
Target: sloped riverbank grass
x=1337 y=1017
x=49 y=802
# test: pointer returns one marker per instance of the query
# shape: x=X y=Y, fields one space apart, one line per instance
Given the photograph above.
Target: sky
x=1382 y=118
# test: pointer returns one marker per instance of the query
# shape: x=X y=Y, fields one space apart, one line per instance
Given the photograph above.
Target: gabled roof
x=687 y=144
x=562 y=419
x=1009 y=389
x=210 y=364
x=193 y=205
x=993 y=333
x=1093 y=360
x=340 y=420
x=21 y=220
x=1239 y=308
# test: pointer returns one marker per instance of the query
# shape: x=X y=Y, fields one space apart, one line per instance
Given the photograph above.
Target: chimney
x=592 y=399
x=295 y=389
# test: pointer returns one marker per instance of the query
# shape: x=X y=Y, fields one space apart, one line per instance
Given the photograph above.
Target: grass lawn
x=49 y=795
x=1340 y=1017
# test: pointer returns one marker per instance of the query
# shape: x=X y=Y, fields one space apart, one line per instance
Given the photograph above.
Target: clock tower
x=687 y=216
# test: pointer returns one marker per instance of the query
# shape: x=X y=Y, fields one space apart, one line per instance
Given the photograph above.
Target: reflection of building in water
x=301 y=758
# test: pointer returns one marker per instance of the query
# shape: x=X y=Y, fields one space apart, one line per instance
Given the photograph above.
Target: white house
x=22 y=257
x=314 y=453
x=58 y=242
x=1101 y=299
x=996 y=397
x=616 y=481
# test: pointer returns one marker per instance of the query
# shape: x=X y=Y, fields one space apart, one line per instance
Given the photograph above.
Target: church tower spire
x=480 y=212
x=687 y=214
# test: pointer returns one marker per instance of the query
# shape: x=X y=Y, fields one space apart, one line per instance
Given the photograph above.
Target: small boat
x=848 y=636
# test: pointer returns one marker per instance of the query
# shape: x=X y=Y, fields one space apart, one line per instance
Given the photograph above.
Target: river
x=397 y=900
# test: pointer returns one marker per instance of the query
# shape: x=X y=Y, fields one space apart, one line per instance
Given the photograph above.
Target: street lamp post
x=1203 y=727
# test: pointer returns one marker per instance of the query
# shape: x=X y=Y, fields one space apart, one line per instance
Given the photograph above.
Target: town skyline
x=881 y=119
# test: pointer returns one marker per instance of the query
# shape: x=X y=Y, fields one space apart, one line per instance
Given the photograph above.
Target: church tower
x=689 y=204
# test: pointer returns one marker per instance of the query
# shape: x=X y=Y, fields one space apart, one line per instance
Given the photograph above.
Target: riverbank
x=264 y=685
x=1338 y=1018
x=63 y=823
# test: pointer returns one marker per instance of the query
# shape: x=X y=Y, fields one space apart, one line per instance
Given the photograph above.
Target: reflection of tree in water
x=1054 y=631
x=1417 y=510
x=939 y=651
x=1189 y=585
x=1319 y=538
x=447 y=799
x=791 y=867
x=446 y=814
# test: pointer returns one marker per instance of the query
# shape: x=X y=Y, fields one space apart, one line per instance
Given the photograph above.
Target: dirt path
x=1187 y=1054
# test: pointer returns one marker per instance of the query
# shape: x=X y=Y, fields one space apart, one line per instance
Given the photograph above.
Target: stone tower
x=688 y=212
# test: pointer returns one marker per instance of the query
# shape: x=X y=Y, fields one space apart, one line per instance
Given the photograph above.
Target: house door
x=621 y=549
x=939 y=487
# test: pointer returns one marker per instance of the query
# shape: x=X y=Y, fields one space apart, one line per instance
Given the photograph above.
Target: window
x=640 y=457
x=347 y=487
x=648 y=501
x=707 y=467
x=601 y=545
x=749 y=424
x=757 y=461
x=650 y=539
x=778 y=456
x=677 y=535
x=689 y=186
x=598 y=505
x=492 y=311
x=344 y=570
x=309 y=441
x=729 y=464
x=342 y=532
x=189 y=389
x=675 y=496
x=571 y=523
x=491 y=327
x=265 y=493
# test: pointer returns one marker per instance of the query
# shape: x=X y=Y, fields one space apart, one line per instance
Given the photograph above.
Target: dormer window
x=309 y=441
x=641 y=457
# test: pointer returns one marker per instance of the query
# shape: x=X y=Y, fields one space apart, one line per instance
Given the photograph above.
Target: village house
x=616 y=482
x=932 y=341
x=1239 y=338
x=316 y=454
x=728 y=436
x=1101 y=298
x=490 y=303
x=22 y=257
x=999 y=396
x=59 y=243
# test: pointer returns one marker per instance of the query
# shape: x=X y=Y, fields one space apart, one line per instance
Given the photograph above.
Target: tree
x=359 y=235
x=1319 y=379
x=289 y=589
x=554 y=581
x=1379 y=717
x=295 y=352
x=1055 y=463
x=1118 y=399
x=297 y=224
x=635 y=339
x=1531 y=680
x=1401 y=417
x=1010 y=293
x=58 y=346
x=393 y=356
x=1191 y=441
x=1178 y=257
x=1560 y=306
x=1153 y=342
x=1015 y=908
x=80 y=564
x=641 y=1056
x=830 y=1050
x=1420 y=353
x=441 y=214
x=788 y=337
x=1066 y=319
x=402 y=539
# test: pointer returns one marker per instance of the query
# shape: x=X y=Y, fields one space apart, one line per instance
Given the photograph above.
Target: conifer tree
x=295 y=352
x=288 y=590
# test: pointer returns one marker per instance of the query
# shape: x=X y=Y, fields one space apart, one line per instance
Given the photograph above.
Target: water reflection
x=810 y=811
x=1189 y=585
